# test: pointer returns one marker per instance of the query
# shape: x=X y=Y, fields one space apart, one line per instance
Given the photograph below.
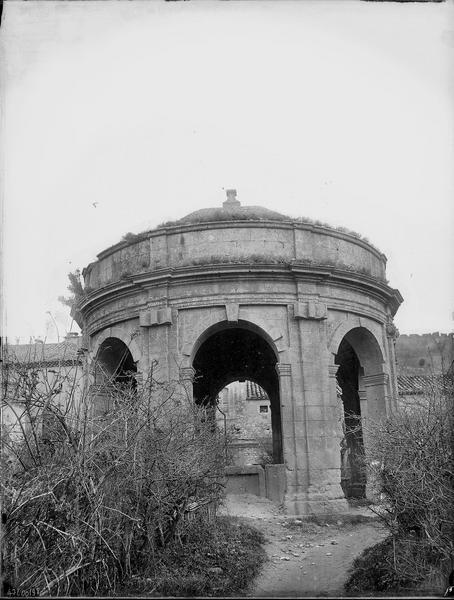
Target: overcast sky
x=120 y=115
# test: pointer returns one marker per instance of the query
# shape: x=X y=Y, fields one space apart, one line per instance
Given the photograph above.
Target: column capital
x=284 y=370
x=332 y=370
x=376 y=379
x=187 y=374
x=391 y=330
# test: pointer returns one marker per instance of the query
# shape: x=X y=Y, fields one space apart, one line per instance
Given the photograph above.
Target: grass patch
x=393 y=567
x=220 y=558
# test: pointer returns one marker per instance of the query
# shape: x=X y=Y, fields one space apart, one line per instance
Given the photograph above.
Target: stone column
x=376 y=407
x=376 y=387
x=294 y=462
x=322 y=428
x=362 y=402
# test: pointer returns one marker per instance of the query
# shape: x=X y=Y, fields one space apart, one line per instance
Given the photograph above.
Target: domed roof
x=232 y=210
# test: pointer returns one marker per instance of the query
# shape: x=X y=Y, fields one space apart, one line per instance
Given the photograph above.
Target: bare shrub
x=410 y=463
x=91 y=497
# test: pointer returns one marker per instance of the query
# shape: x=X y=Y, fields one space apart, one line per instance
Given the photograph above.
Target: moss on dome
x=240 y=213
x=243 y=213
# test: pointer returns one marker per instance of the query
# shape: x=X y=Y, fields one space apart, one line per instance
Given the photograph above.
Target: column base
x=328 y=502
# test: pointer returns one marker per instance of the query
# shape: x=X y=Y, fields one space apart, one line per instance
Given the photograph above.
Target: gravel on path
x=305 y=559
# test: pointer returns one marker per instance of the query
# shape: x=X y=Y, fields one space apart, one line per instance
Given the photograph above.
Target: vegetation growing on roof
x=132 y=238
x=220 y=259
x=271 y=259
x=76 y=290
x=251 y=214
x=220 y=214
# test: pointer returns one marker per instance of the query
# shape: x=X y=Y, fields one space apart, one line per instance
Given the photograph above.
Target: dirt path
x=305 y=559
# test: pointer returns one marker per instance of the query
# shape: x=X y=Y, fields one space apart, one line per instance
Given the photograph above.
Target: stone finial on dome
x=231 y=201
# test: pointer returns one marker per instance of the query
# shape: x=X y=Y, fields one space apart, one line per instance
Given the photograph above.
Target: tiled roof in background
x=413 y=384
x=255 y=392
x=418 y=384
x=64 y=353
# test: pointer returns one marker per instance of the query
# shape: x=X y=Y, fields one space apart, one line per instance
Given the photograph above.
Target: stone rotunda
x=241 y=293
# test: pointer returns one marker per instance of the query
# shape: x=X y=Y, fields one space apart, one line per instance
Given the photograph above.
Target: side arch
x=113 y=372
x=367 y=344
x=130 y=340
x=363 y=382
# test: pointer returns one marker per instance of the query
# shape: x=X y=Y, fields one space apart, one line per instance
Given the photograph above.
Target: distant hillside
x=425 y=354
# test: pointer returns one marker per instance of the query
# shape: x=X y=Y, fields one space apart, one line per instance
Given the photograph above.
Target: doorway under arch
x=243 y=413
x=238 y=352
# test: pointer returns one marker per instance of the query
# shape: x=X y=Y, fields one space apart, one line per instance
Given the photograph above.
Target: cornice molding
x=283 y=369
x=187 y=374
x=208 y=273
x=376 y=379
x=332 y=370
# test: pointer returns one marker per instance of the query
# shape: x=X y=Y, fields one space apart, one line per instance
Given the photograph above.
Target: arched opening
x=114 y=363
x=353 y=478
x=238 y=352
x=359 y=358
x=114 y=372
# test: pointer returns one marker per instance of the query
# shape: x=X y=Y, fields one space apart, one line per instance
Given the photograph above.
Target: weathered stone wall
x=249 y=431
x=214 y=243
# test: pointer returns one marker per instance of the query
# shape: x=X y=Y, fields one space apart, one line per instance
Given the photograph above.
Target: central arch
x=239 y=351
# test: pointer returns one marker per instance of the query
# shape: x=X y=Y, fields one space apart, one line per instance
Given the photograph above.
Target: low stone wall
x=275 y=483
x=245 y=480
x=253 y=479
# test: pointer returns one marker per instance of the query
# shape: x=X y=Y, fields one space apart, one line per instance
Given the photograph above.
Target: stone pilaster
x=392 y=333
x=156 y=325
x=187 y=375
x=376 y=388
x=283 y=431
x=335 y=401
x=317 y=420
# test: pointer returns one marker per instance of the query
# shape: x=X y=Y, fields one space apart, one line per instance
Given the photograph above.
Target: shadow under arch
x=131 y=341
x=367 y=348
x=238 y=351
x=359 y=356
x=114 y=371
